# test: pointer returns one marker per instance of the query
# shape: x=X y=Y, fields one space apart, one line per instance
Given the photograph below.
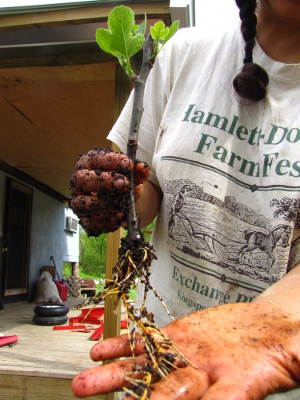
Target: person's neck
x=280 y=40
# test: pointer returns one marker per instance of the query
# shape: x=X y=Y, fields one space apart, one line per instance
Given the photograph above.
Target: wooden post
x=112 y=314
x=75 y=269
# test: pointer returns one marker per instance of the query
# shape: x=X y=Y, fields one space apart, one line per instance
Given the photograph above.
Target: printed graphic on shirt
x=205 y=225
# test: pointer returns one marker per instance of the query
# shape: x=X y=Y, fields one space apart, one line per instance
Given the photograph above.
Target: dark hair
x=251 y=83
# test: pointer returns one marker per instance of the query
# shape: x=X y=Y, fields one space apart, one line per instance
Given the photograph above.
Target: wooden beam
x=59 y=54
x=112 y=319
x=91 y=13
x=93 y=74
x=112 y=314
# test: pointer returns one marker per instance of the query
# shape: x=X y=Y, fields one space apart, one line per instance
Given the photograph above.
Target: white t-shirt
x=229 y=222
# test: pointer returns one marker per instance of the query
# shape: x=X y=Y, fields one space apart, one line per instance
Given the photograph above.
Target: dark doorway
x=15 y=246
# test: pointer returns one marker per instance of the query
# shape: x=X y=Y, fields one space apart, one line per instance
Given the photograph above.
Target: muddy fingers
x=104 y=378
x=104 y=159
x=100 y=187
x=88 y=181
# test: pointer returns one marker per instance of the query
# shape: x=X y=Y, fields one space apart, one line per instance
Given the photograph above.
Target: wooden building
x=59 y=97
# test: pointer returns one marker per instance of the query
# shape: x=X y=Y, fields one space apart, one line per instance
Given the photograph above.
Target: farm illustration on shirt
x=201 y=221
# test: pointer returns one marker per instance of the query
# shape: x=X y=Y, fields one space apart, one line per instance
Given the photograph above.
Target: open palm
x=239 y=352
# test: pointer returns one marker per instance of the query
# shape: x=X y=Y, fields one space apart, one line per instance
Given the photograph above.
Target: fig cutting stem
x=132 y=144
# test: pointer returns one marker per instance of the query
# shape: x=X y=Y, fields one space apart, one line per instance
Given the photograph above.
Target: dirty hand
x=99 y=186
x=236 y=351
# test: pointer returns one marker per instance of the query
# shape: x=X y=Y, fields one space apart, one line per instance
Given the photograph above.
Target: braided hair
x=251 y=83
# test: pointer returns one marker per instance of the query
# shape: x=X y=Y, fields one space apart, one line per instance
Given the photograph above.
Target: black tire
x=51 y=310
x=49 y=321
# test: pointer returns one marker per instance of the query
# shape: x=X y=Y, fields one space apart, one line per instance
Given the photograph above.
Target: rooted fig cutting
x=103 y=187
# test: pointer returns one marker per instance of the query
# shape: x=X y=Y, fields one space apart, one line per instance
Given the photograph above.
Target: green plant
x=92 y=254
x=161 y=34
x=67 y=269
x=123 y=38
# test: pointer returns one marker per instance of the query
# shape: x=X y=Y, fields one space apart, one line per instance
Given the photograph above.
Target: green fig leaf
x=120 y=39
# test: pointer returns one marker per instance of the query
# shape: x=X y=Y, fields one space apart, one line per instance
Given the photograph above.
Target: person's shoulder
x=194 y=43
x=192 y=36
x=187 y=35
x=184 y=39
